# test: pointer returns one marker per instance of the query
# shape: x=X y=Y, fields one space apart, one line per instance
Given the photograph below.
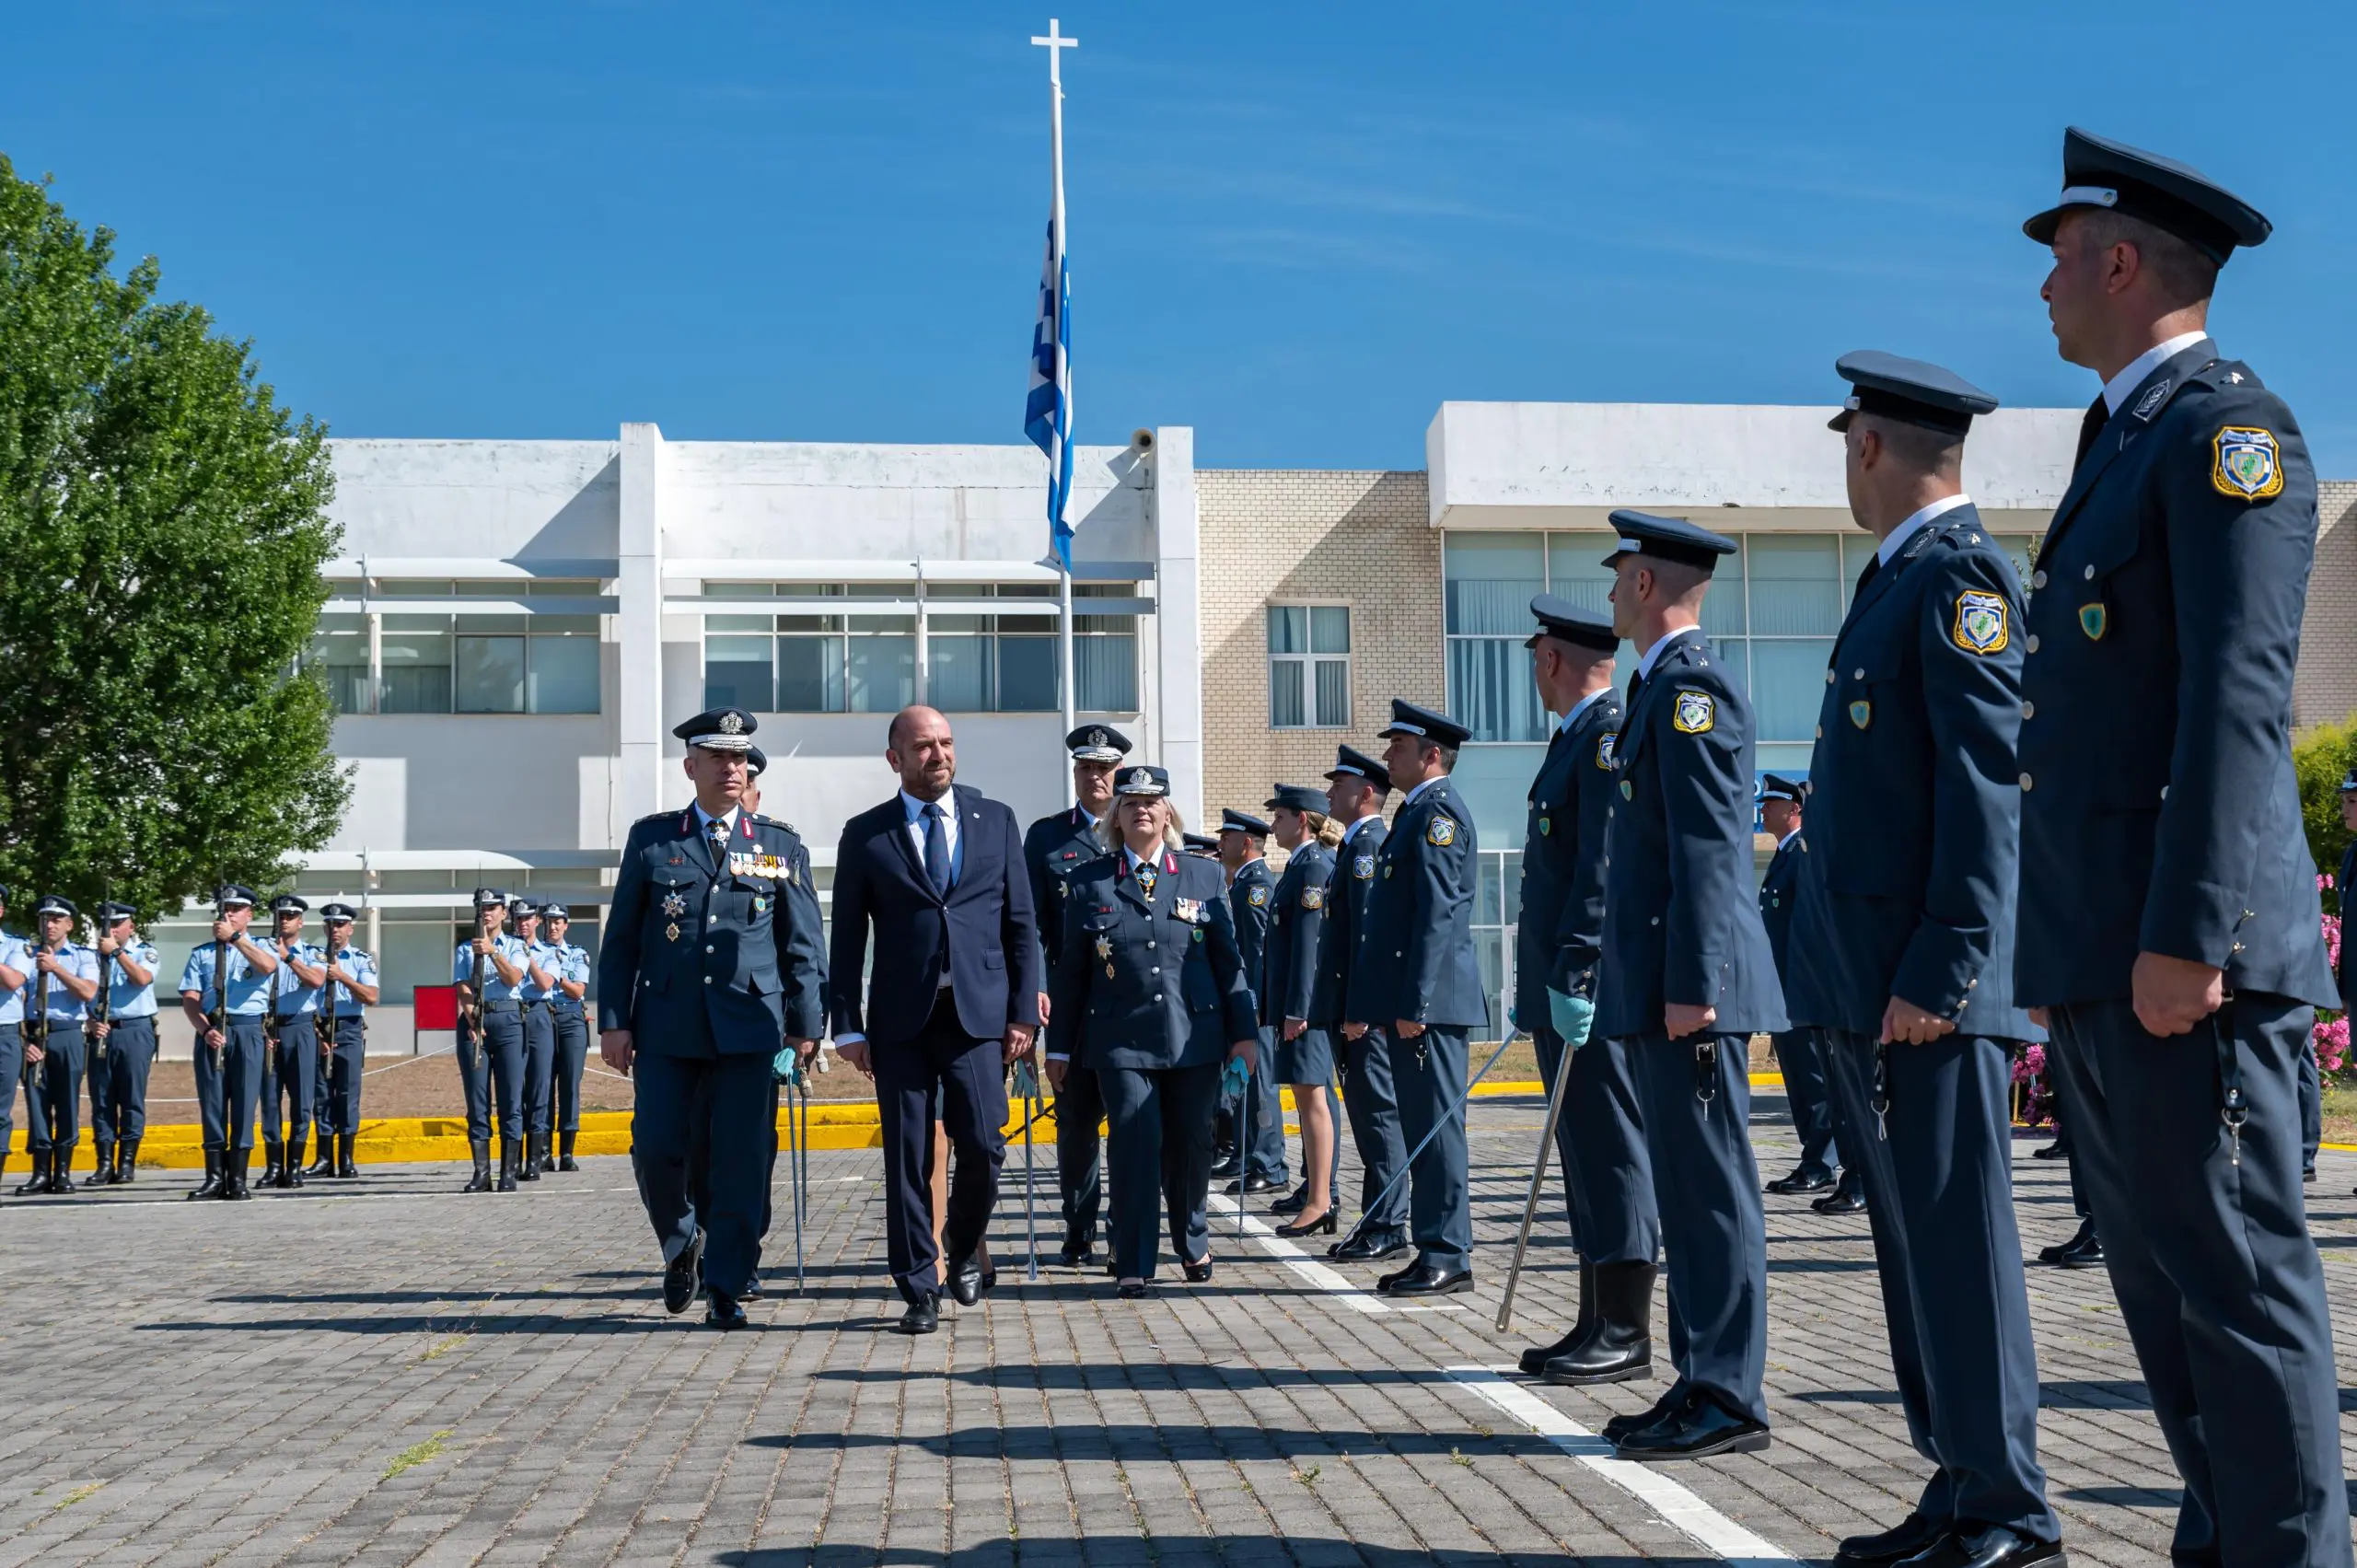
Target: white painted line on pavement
x=1679 y=1508
x=1313 y=1272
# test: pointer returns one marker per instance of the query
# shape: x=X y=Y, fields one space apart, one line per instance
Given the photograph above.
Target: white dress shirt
x=1653 y=655
x=915 y=808
x=1899 y=535
x=1580 y=707
x=2116 y=390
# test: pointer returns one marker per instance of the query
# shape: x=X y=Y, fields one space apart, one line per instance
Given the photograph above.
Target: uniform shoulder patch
x=1695 y=713
x=1362 y=867
x=1312 y=898
x=2245 y=464
x=1257 y=896
x=1606 y=745
x=1981 y=623
x=1441 y=831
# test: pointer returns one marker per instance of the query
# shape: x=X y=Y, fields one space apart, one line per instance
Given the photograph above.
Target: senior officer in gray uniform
x=1259 y=1111
x=703 y=973
x=1686 y=981
x=2169 y=919
x=1599 y=1136
x=1355 y=786
x=1902 y=955
x=1055 y=848
x=1800 y=1056
x=1417 y=979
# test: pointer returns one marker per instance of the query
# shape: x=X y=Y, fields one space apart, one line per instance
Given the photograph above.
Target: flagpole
x=1056 y=43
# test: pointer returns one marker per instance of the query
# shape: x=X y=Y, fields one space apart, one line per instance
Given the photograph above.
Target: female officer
x=1304 y=1056
x=1148 y=994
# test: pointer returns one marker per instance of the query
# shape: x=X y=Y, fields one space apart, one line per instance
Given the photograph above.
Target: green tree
x=162 y=537
x=2322 y=757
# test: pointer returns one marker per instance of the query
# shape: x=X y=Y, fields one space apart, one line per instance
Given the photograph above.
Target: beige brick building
x=2323 y=689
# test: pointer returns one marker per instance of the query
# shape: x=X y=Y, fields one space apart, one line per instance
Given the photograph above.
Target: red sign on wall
x=437 y=1006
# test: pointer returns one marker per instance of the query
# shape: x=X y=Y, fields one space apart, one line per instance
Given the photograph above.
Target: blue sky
x=1297 y=228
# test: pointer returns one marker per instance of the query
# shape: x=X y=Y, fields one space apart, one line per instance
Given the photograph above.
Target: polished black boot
x=1619 y=1344
x=126 y=1161
x=211 y=1186
x=233 y=1174
x=482 y=1182
x=290 y=1175
x=547 y=1142
x=61 y=1169
x=507 y=1163
x=323 y=1144
x=564 y=1151
x=529 y=1169
x=102 y=1173
x=273 y=1160
x=38 y=1183
x=1534 y=1362
x=346 y=1167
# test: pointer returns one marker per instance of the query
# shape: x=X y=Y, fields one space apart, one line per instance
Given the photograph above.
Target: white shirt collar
x=1137 y=860
x=1409 y=799
x=704 y=820
x=1653 y=655
x=2116 y=390
x=1582 y=706
x=914 y=808
x=1899 y=535
x=1788 y=838
x=1351 y=831
x=1085 y=815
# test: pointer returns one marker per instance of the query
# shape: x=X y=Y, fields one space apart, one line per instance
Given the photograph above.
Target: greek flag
x=1047 y=411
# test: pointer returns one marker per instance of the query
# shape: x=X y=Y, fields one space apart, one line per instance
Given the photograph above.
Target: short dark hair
x=1448 y=758
x=1919 y=447
x=2183 y=273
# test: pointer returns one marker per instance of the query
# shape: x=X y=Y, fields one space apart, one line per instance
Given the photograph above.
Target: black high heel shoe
x=1324 y=1225
x=1198 y=1272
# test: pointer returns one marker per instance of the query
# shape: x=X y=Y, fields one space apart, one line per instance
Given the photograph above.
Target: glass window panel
x=339 y=652
x=1491 y=689
x=1514 y=887
x=810 y=674
x=1787 y=687
x=563 y=588
x=877 y=626
x=961 y=623
x=1735 y=656
x=488 y=590
x=1788 y=758
x=1035 y=591
x=1288 y=629
x=806 y=623
x=491 y=625
x=882 y=676
x=1576 y=568
x=1288 y=705
x=490 y=675
x=1333 y=692
x=1489 y=896
x=878 y=590
x=416 y=674
x=1490 y=947
x=561 y=675
x=737 y=673
x=1124 y=624
x=1795 y=584
x=1330 y=629
x=1105 y=672
x=1026 y=674
x=414 y=953
x=1723 y=612
x=539 y=625
x=957 y=674
x=743 y=590
x=1489 y=578
x=417 y=624
x=736 y=624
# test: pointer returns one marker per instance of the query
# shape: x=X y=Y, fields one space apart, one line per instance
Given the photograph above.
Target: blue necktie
x=936 y=848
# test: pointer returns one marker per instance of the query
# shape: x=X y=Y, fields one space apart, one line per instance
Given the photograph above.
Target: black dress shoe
x=1291 y=1203
x=752 y=1291
x=722 y=1312
x=1131 y=1290
x=1534 y=1362
x=1621 y=1426
x=1364 y=1249
x=921 y=1317
x=1426 y=1279
x=1801 y=1180
x=1985 y=1546
x=1324 y=1225
x=1841 y=1203
x=1198 y=1272
x=1226 y=1168
x=966 y=1282
x=1247 y=1185
x=2057 y=1150
x=1077 y=1254
x=682 y=1274
x=1696 y=1430
x=1902 y=1540
x=2083 y=1250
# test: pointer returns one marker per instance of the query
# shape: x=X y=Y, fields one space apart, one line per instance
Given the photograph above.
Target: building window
x=1487 y=584
x=437 y=662
x=1309 y=666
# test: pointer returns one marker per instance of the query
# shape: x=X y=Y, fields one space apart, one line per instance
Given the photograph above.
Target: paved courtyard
x=388 y=1372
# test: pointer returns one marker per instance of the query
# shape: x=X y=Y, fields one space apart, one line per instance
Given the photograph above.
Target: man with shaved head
x=938 y=871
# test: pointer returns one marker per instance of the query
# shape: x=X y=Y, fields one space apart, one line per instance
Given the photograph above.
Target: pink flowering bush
x=2331 y=1032
x=2033 y=1095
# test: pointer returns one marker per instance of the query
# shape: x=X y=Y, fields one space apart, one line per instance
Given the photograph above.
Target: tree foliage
x=2322 y=757
x=162 y=538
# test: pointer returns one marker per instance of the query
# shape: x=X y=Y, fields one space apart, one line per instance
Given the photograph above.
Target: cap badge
x=2246 y=468
x=1980 y=624
x=1097 y=738
x=731 y=724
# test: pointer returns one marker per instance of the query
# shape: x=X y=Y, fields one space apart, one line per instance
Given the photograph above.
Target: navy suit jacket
x=1417 y=962
x=1289 y=961
x=1561 y=930
x=1148 y=983
x=1777 y=890
x=983 y=935
x=1347 y=887
x=2159 y=810
x=1247 y=902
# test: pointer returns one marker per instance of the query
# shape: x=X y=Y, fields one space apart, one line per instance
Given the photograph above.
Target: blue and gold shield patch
x=1257 y=897
x=1363 y=866
x=2246 y=464
x=1441 y=832
x=1695 y=713
x=2095 y=620
x=1605 y=747
x=1862 y=713
x=1980 y=624
x=1312 y=898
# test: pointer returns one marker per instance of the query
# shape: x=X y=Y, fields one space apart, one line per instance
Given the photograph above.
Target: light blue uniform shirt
x=462 y=966
x=249 y=987
x=125 y=1000
x=572 y=963
x=14 y=953
x=295 y=999
x=549 y=957
x=360 y=967
x=62 y=1006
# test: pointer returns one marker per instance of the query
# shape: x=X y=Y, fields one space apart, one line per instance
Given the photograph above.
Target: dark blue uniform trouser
x=1373 y=1102
x=290 y=1077
x=53 y=1090
x=1600 y=1137
x=1429 y=1075
x=228 y=1087
x=1706 y=1186
x=539 y=1068
x=1080 y=1110
x=1161 y=1121
x=572 y=1059
x=1260 y=1116
x=344 y=1070
x=494 y=1072
x=2311 y=1105
x=1940 y=1203
x=960 y=1079
x=700 y=1149
x=1808 y=1089
x=119 y=1085
x=2217 y=1276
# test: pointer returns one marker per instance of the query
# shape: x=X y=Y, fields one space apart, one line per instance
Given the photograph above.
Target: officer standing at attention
x=65 y=976
x=491 y=1066
x=1417 y=979
x=703 y=975
x=568 y=1012
x=1288 y=976
x=228 y=1059
x=1241 y=848
x=1354 y=790
x=1902 y=957
x=1798 y=1057
x=1600 y=1132
x=353 y=974
x=2171 y=930
x=539 y=1037
x=15 y=967
x=1054 y=848
x=290 y=1074
x=1687 y=979
x=119 y=1113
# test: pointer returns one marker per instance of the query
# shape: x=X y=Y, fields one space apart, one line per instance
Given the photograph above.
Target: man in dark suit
x=709 y=964
x=1054 y=849
x=938 y=870
x=1354 y=790
x=1799 y=1057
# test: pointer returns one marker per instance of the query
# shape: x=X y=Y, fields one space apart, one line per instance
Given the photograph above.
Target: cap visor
x=2042 y=226
x=1840 y=421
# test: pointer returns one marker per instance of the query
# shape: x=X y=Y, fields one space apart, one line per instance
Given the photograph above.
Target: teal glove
x=1236 y=1077
x=786 y=1067
x=1571 y=1015
x=1027 y=1086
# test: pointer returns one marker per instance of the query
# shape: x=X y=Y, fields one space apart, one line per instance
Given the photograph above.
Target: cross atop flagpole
x=1046 y=411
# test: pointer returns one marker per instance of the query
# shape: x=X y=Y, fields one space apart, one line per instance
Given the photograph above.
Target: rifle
x=327 y=1005
x=35 y=1032
x=96 y=1013
x=272 y=1021
x=474 y=999
x=217 y=1021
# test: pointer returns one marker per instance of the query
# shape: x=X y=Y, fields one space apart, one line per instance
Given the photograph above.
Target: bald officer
x=1902 y=957
x=2170 y=925
x=1687 y=979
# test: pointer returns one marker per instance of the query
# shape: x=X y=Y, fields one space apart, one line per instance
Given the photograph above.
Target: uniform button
x=1656 y=920
x=1858 y=674
x=1157 y=968
x=2029 y=710
x=2037 y=579
x=707 y=980
x=1820 y=732
x=2165 y=792
x=1828 y=677
x=707 y=947
x=711 y=920
x=1970 y=984
x=2026 y=781
x=1157 y=996
x=2033 y=642
x=2091 y=571
x=1149 y=946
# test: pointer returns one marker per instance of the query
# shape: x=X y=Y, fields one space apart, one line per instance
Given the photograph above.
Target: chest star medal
x=674 y=905
x=1104 y=946
x=1695 y=713
x=671 y=932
